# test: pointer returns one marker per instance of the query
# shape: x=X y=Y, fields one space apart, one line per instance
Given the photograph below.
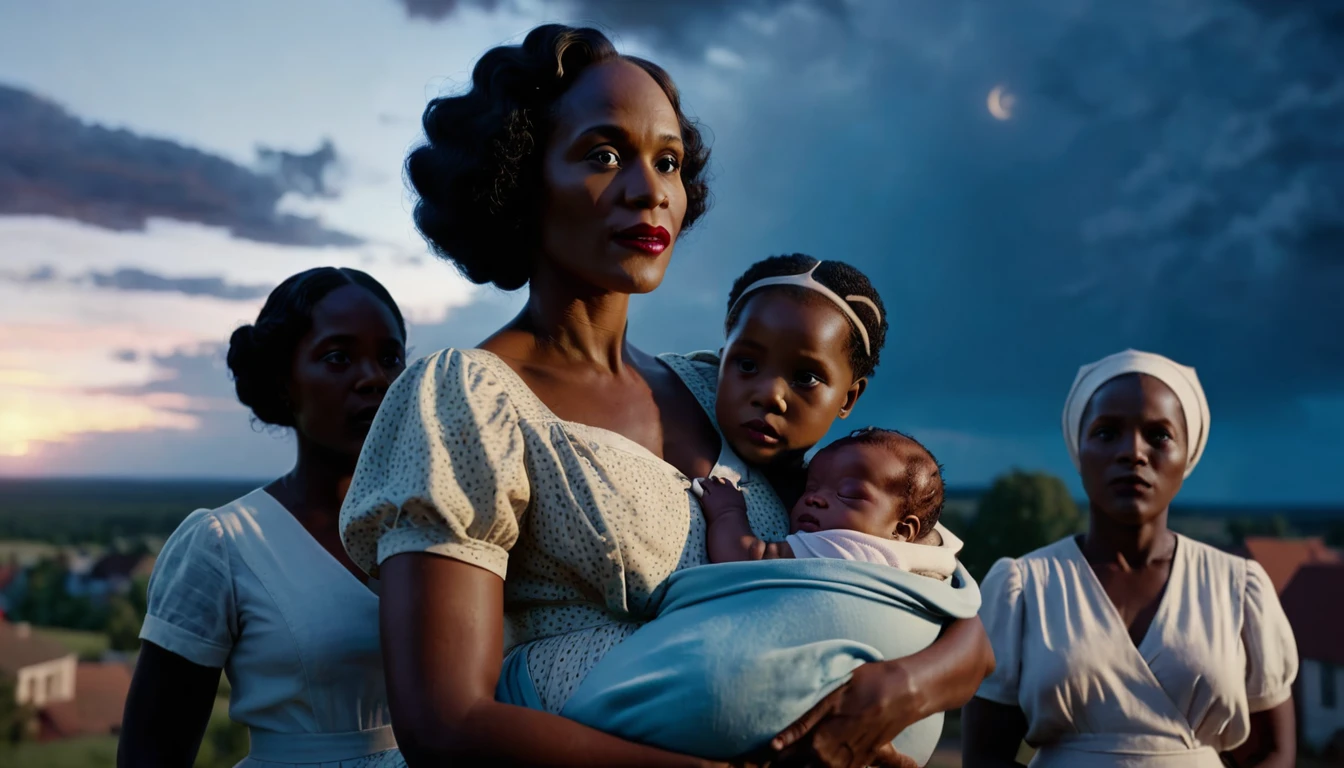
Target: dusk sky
x=1164 y=174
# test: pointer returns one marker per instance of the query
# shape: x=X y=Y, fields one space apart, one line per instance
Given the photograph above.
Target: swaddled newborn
x=874 y=496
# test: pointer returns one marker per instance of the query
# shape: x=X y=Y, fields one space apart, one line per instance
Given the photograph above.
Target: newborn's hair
x=921 y=486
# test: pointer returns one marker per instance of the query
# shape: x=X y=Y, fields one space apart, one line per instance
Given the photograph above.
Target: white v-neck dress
x=246 y=588
x=1218 y=649
x=583 y=524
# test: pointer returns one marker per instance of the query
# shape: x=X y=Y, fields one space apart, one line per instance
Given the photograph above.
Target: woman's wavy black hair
x=478 y=176
x=261 y=355
x=841 y=278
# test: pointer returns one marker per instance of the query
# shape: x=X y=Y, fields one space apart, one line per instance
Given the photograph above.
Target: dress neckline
x=609 y=437
x=1113 y=613
x=264 y=502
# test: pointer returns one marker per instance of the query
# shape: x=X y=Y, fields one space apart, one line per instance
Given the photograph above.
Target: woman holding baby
x=522 y=503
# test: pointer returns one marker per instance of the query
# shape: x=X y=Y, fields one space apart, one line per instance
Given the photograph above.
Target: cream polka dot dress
x=583 y=524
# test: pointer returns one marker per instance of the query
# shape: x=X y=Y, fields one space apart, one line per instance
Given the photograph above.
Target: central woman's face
x=614 y=199
x=1132 y=448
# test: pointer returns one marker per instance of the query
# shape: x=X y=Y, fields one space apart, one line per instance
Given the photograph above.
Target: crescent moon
x=1000 y=103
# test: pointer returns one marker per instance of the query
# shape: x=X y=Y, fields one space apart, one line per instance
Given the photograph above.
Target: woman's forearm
x=1272 y=742
x=947 y=674
x=442 y=636
x=167 y=710
x=495 y=734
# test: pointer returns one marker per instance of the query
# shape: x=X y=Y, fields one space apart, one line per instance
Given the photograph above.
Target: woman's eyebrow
x=616 y=131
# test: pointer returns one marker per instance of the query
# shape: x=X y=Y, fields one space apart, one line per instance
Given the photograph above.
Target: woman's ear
x=852 y=397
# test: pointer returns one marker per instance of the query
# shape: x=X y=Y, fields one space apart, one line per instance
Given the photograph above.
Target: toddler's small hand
x=719 y=496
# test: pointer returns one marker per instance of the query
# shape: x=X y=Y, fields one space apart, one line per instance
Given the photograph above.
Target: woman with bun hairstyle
x=262 y=588
x=533 y=494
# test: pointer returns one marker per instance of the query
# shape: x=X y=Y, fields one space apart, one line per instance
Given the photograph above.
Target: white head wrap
x=1181 y=379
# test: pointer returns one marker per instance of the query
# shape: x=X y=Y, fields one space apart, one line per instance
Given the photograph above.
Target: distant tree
x=1334 y=533
x=123 y=624
x=1277 y=527
x=1022 y=511
x=224 y=744
x=139 y=595
x=16 y=721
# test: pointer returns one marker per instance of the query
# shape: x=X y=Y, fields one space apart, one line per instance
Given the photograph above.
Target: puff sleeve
x=1001 y=611
x=191 y=608
x=442 y=470
x=1271 y=650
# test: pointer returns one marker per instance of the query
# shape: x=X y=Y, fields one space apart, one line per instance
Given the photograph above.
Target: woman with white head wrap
x=1131 y=644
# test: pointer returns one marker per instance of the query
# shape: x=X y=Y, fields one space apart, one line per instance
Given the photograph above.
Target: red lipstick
x=644 y=237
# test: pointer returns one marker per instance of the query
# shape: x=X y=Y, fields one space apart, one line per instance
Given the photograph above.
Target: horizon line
x=952 y=491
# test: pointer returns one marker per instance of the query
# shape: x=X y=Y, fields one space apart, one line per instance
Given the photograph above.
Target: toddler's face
x=785 y=377
x=851 y=487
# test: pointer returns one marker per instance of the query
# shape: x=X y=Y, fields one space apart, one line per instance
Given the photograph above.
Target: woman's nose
x=644 y=188
x=1130 y=448
x=372 y=376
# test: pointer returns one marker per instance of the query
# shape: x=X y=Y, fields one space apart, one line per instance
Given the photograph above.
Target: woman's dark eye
x=1161 y=436
x=392 y=361
x=668 y=164
x=746 y=365
x=1103 y=433
x=605 y=157
x=336 y=357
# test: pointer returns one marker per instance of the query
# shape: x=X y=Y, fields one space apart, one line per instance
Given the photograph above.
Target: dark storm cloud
x=197 y=373
x=310 y=175
x=140 y=280
x=684 y=24
x=130 y=279
x=1172 y=179
x=53 y=163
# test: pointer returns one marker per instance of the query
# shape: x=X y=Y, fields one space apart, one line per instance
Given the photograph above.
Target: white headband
x=1179 y=378
x=808 y=282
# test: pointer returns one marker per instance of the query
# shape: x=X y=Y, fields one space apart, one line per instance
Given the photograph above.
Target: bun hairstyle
x=261 y=355
x=478 y=176
x=841 y=278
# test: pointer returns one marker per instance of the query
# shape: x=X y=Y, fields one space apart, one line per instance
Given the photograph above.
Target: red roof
x=100 y=698
x=1306 y=600
x=20 y=647
x=1283 y=557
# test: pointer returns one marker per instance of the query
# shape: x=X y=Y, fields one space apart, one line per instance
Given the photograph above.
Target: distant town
x=76 y=557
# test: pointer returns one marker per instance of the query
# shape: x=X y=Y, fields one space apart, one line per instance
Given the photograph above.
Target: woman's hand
x=853 y=727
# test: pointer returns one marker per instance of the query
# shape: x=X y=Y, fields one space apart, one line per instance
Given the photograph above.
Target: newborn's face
x=850 y=487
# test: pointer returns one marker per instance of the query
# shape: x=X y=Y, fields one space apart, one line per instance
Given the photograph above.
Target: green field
x=86 y=752
x=80 y=511
x=89 y=645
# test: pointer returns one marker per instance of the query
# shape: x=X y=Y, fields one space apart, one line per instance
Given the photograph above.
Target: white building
x=42 y=671
x=1311 y=602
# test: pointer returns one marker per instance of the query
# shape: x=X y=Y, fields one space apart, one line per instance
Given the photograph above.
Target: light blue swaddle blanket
x=739 y=651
